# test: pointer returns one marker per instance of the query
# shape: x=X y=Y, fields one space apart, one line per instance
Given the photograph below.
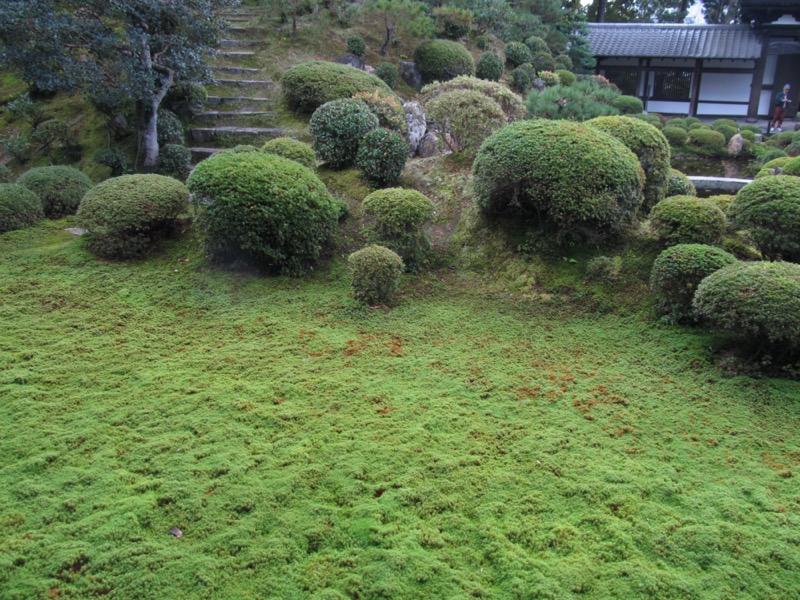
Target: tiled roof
x=650 y=40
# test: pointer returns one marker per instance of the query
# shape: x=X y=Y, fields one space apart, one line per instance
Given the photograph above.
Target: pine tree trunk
x=150 y=139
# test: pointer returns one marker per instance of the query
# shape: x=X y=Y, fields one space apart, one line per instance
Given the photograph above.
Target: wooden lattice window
x=673 y=85
x=624 y=79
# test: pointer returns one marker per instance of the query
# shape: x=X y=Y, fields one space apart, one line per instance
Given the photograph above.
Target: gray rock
x=351 y=60
x=539 y=83
x=411 y=75
x=431 y=145
x=417 y=125
x=369 y=69
x=736 y=145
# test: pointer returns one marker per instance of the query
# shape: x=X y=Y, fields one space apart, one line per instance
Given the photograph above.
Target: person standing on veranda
x=782 y=101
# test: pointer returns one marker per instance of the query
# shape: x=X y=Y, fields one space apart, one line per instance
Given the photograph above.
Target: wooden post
x=696 y=79
x=646 y=97
x=758 y=78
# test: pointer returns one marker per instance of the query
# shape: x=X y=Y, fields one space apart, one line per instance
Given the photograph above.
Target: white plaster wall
x=670 y=108
x=725 y=86
x=765 y=103
x=769 y=69
x=727 y=110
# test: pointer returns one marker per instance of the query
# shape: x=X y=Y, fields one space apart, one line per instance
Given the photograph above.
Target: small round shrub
x=382 y=156
x=678 y=271
x=773 y=167
x=688 y=220
x=174 y=160
x=397 y=217
x=517 y=54
x=489 y=67
x=564 y=62
x=678 y=122
x=482 y=42
x=536 y=169
x=441 y=60
x=522 y=78
x=650 y=147
x=306 y=86
x=452 y=22
x=549 y=78
x=679 y=184
x=186 y=93
x=242 y=149
x=389 y=73
x=51 y=133
x=170 y=129
x=758 y=300
x=565 y=78
x=708 y=142
x=376 y=273
x=693 y=126
x=5 y=174
x=337 y=128
x=676 y=136
x=793 y=149
x=509 y=102
x=543 y=61
x=792 y=167
x=295 y=150
x=692 y=121
x=537 y=45
x=60 y=188
x=124 y=216
x=769 y=208
x=727 y=131
x=388 y=109
x=651 y=118
x=748 y=135
x=263 y=208
x=772 y=154
x=722 y=200
x=725 y=123
x=752 y=128
x=628 y=105
x=19 y=207
x=114 y=159
x=780 y=140
x=356 y=45
x=464 y=118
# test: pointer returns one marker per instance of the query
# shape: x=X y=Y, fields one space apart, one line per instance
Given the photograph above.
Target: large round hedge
x=60 y=188
x=509 y=102
x=19 y=207
x=572 y=176
x=679 y=184
x=264 y=208
x=309 y=85
x=376 y=273
x=440 y=60
x=770 y=209
x=677 y=272
x=337 y=128
x=688 y=220
x=650 y=147
x=124 y=216
x=489 y=67
x=464 y=118
x=295 y=150
x=382 y=156
x=760 y=300
x=708 y=142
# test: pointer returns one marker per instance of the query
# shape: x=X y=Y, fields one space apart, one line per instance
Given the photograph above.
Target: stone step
x=242 y=43
x=205 y=134
x=246 y=82
x=234 y=54
x=230 y=114
x=228 y=99
x=252 y=30
x=199 y=154
x=241 y=10
x=235 y=70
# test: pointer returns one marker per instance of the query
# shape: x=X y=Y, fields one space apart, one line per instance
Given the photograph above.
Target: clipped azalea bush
x=396 y=218
x=337 y=128
x=563 y=61
x=306 y=86
x=19 y=207
x=688 y=220
x=678 y=271
x=676 y=136
x=679 y=184
x=464 y=118
x=60 y=188
x=125 y=216
x=769 y=209
x=537 y=45
x=389 y=73
x=376 y=272
x=441 y=60
x=543 y=61
x=559 y=174
x=566 y=78
x=356 y=45
x=522 y=78
x=382 y=156
x=509 y=102
x=266 y=209
x=388 y=109
x=517 y=54
x=792 y=167
x=628 y=105
x=295 y=150
x=174 y=160
x=170 y=129
x=707 y=142
x=489 y=67
x=651 y=148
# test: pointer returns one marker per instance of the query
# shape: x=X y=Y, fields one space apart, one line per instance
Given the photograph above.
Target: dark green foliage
x=113 y=158
x=5 y=174
x=51 y=134
x=18 y=147
x=174 y=160
x=688 y=220
x=536 y=170
x=376 y=273
x=509 y=102
x=452 y=22
x=793 y=149
x=537 y=45
x=185 y=94
x=563 y=62
x=543 y=61
x=306 y=86
x=464 y=118
x=678 y=122
x=565 y=78
x=770 y=209
x=676 y=136
x=517 y=54
x=628 y=105
x=707 y=142
x=780 y=140
x=441 y=60
x=603 y=268
x=650 y=147
x=356 y=45
x=19 y=207
x=397 y=217
x=382 y=156
x=582 y=100
x=482 y=42
x=489 y=67
x=679 y=184
x=758 y=300
x=522 y=78
x=337 y=128
x=124 y=216
x=388 y=109
x=295 y=150
x=678 y=271
x=389 y=73
x=727 y=131
x=60 y=189
x=170 y=129
x=25 y=109
x=263 y=208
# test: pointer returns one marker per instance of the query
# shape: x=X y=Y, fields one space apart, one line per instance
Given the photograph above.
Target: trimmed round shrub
x=242 y=149
x=356 y=45
x=464 y=118
x=509 y=102
x=337 y=128
x=693 y=126
x=708 y=142
x=543 y=61
x=727 y=131
x=651 y=118
x=295 y=150
x=537 y=170
x=748 y=135
x=125 y=216
x=388 y=109
x=780 y=140
x=628 y=105
x=306 y=86
x=19 y=207
x=60 y=188
x=679 y=184
x=566 y=78
x=679 y=270
x=722 y=200
x=441 y=60
x=563 y=61
x=263 y=208
x=185 y=94
x=382 y=156
x=452 y=22
x=489 y=67
x=5 y=174
x=676 y=136
x=688 y=220
x=170 y=129
x=482 y=42
x=376 y=273
x=725 y=123
x=549 y=78
x=522 y=78
x=174 y=160
x=389 y=73
x=537 y=45
x=517 y=54
x=112 y=158
x=793 y=149
x=758 y=300
x=397 y=217
x=773 y=167
x=692 y=121
x=770 y=209
x=792 y=166
x=678 y=122
x=650 y=147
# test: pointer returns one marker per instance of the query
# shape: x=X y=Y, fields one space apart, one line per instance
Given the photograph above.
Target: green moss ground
x=465 y=444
